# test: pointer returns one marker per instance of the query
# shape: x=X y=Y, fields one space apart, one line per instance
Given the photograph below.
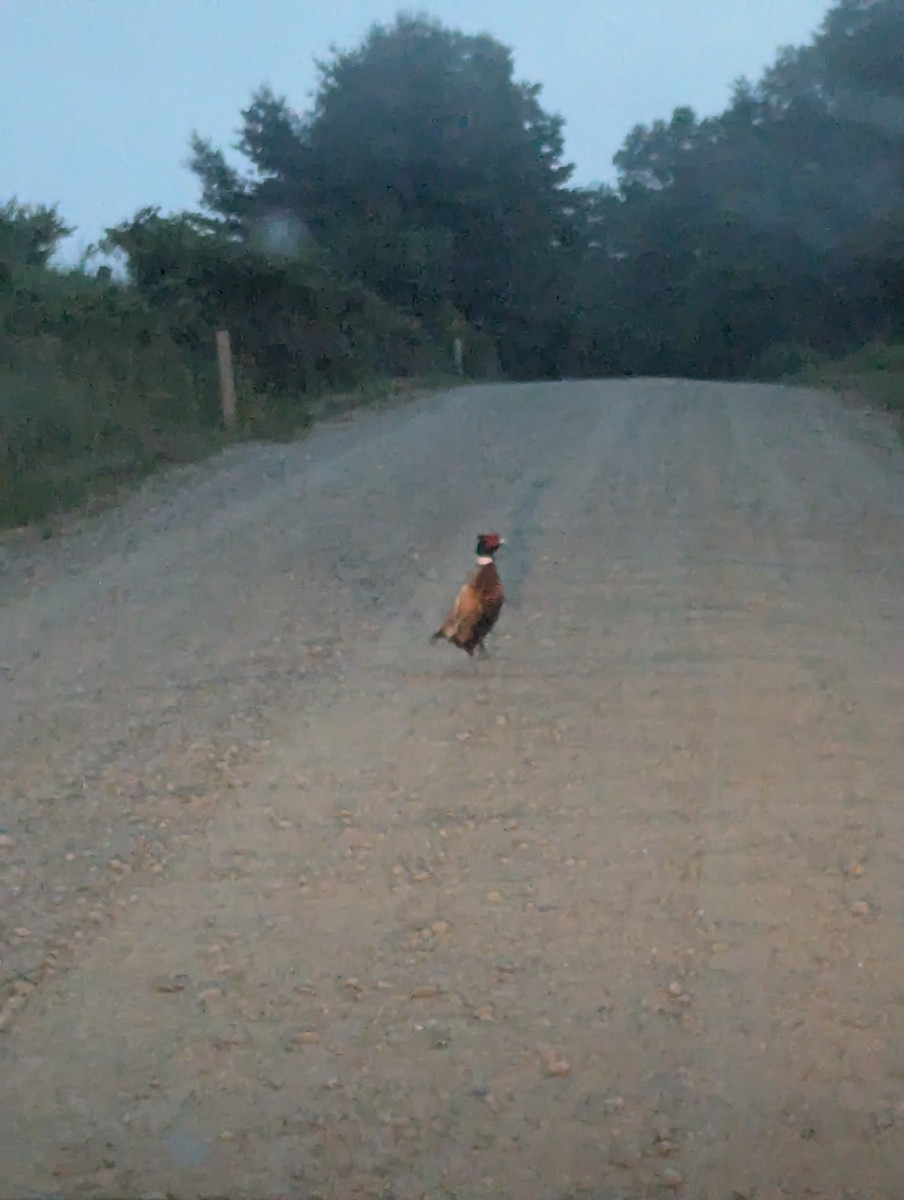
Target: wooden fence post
x=227 y=378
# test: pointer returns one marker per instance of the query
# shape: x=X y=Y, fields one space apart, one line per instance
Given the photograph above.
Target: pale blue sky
x=101 y=96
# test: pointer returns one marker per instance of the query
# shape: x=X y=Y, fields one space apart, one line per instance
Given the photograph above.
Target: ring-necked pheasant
x=478 y=604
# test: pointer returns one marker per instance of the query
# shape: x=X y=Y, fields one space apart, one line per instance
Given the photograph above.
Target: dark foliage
x=781 y=221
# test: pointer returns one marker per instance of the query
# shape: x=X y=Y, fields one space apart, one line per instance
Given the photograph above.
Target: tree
x=862 y=44
x=651 y=156
x=780 y=220
x=29 y=235
x=296 y=323
x=428 y=172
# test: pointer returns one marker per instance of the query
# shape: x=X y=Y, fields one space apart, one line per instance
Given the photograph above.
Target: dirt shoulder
x=295 y=904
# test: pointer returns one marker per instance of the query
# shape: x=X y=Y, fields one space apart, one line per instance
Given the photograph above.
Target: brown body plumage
x=479 y=602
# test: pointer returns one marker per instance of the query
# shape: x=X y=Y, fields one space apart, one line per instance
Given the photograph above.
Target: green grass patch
x=64 y=445
x=875 y=373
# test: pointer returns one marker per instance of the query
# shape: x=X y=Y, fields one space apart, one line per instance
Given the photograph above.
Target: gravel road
x=295 y=904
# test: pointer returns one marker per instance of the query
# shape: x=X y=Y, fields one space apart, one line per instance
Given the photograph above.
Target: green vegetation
x=103 y=380
x=875 y=373
x=731 y=240
x=424 y=197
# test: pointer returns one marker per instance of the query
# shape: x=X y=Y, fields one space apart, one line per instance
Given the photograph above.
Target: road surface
x=295 y=904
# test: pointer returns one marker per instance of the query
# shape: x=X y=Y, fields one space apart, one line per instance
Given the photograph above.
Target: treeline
x=425 y=197
x=773 y=234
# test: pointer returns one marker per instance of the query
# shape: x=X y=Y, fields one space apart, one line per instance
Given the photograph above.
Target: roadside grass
x=874 y=374
x=67 y=443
